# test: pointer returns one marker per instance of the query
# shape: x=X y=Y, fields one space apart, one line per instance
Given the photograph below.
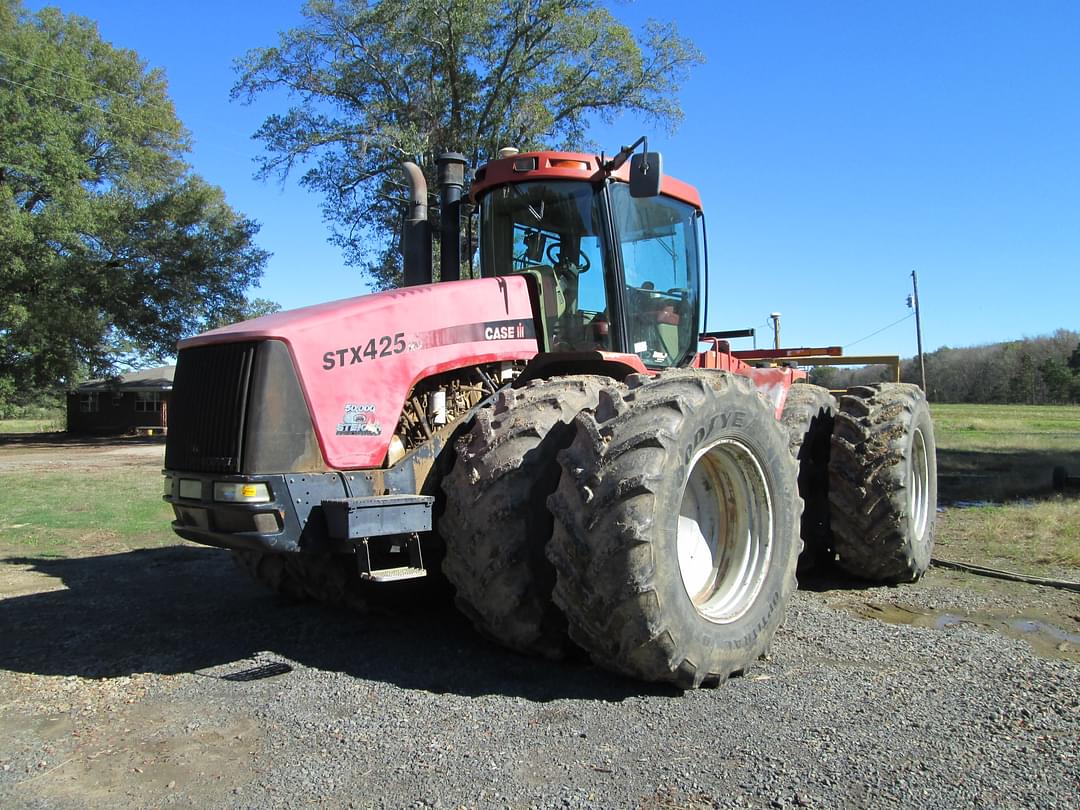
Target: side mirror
x=646 y=172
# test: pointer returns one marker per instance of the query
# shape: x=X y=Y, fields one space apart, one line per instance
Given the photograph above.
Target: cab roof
x=530 y=166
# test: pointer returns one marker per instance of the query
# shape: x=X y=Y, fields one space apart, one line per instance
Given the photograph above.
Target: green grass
x=52 y=422
x=1042 y=537
x=1007 y=427
x=68 y=512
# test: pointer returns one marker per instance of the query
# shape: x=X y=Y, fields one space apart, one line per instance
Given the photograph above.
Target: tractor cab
x=613 y=268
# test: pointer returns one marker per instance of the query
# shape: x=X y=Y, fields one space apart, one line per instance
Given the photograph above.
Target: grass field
x=1000 y=457
x=56 y=513
x=51 y=422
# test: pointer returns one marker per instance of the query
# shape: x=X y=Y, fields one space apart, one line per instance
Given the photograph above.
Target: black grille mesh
x=208 y=408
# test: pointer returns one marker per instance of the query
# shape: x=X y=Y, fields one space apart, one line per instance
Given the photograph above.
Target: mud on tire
x=677 y=485
x=808 y=417
x=883 y=483
x=496 y=524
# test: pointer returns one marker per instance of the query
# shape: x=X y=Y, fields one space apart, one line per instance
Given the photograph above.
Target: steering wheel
x=554 y=255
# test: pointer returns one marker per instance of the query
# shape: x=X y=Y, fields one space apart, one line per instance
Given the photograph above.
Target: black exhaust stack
x=416 y=233
x=451 y=168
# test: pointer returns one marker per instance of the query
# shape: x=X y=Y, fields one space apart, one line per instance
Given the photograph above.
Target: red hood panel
x=357 y=359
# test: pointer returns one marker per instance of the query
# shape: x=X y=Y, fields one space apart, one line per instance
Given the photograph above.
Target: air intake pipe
x=416 y=232
x=451 y=170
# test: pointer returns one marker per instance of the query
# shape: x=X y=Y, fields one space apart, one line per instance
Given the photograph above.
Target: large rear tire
x=808 y=417
x=496 y=524
x=676 y=528
x=883 y=483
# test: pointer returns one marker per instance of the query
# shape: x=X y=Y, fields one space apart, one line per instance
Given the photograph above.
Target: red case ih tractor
x=588 y=465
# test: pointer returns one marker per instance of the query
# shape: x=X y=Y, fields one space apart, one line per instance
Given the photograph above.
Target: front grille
x=208 y=408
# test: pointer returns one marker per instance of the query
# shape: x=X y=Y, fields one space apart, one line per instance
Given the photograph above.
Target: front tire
x=331 y=579
x=496 y=524
x=676 y=528
x=883 y=483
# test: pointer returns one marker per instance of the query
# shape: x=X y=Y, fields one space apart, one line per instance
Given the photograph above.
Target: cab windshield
x=557 y=232
x=553 y=231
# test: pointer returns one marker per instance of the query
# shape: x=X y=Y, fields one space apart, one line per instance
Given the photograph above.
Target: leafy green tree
x=825 y=376
x=248 y=309
x=1057 y=378
x=108 y=242
x=1074 y=360
x=377 y=83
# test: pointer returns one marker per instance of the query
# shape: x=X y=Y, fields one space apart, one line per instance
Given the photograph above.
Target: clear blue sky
x=837 y=146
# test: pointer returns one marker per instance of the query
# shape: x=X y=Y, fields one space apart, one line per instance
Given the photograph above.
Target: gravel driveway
x=131 y=680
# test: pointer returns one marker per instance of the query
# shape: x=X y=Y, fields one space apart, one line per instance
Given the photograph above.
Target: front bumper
x=309 y=512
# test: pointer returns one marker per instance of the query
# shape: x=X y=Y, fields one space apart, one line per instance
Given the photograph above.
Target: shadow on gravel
x=827 y=577
x=180 y=609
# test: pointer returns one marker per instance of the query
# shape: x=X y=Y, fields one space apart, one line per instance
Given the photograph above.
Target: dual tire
x=672 y=518
x=676 y=528
x=883 y=483
x=868 y=477
x=496 y=523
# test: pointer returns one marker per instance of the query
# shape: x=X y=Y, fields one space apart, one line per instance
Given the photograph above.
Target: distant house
x=137 y=402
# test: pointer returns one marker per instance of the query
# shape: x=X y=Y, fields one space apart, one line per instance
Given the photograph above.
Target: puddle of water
x=1046 y=638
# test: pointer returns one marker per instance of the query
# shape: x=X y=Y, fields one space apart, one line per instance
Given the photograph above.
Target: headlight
x=190 y=488
x=241 y=493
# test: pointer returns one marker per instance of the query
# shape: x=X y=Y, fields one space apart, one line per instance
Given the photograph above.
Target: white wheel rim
x=919 y=485
x=725 y=529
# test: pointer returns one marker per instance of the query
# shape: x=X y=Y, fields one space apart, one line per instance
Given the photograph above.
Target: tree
x=1057 y=378
x=108 y=241
x=249 y=308
x=377 y=83
x=1074 y=360
x=825 y=376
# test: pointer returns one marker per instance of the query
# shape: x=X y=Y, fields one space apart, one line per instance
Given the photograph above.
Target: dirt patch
x=30 y=452
x=139 y=753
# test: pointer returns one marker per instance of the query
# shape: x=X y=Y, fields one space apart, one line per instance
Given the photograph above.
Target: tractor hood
x=357 y=359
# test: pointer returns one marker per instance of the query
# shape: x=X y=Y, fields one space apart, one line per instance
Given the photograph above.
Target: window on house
x=147 y=401
x=88 y=402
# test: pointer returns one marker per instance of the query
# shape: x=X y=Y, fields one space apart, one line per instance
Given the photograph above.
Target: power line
x=61 y=73
x=879 y=331
x=82 y=104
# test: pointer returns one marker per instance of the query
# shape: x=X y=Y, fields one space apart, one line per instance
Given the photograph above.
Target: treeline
x=1043 y=370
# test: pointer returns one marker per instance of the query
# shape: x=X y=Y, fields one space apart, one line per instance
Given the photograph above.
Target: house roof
x=147 y=379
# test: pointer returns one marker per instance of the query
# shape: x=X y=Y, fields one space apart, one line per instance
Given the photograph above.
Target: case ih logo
x=505 y=332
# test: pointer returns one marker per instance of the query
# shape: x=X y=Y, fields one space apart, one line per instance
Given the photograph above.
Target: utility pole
x=914 y=301
x=776 y=329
